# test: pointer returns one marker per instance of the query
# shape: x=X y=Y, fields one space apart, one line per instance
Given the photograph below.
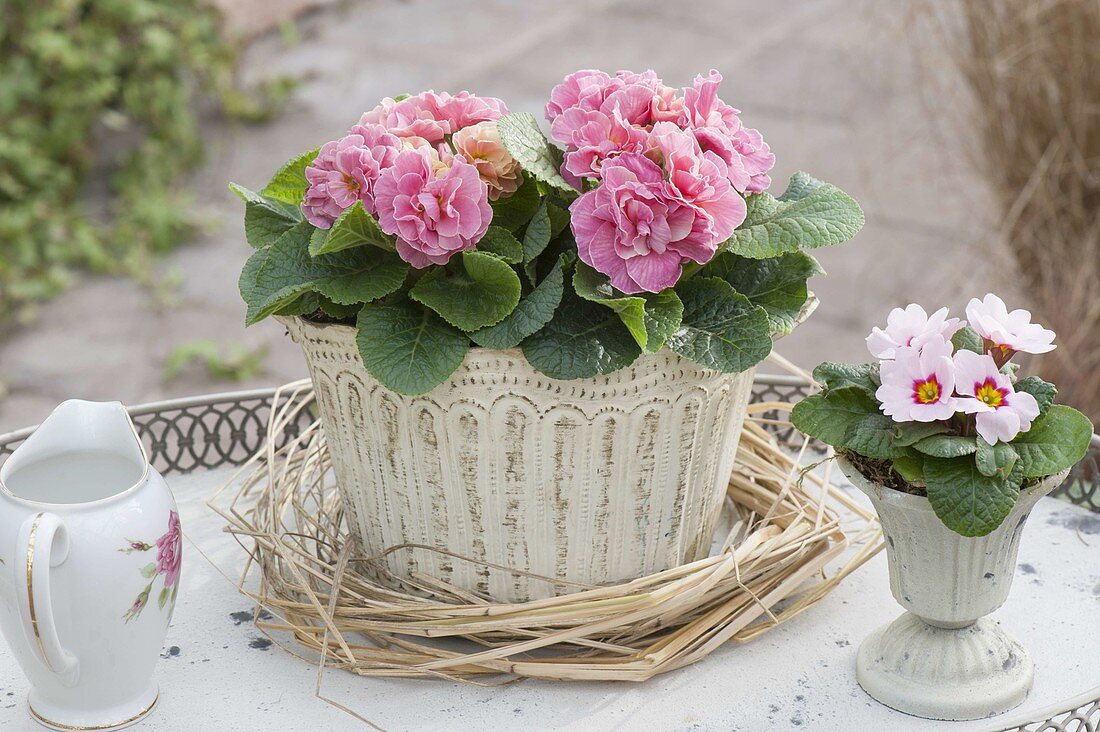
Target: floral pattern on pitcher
x=167 y=566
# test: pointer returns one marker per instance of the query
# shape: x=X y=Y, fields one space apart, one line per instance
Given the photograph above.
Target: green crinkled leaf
x=995 y=460
x=537 y=234
x=513 y=213
x=289 y=183
x=526 y=143
x=909 y=433
x=338 y=311
x=533 y=312
x=355 y=227
x=479 y=292
x=1043 y=391
x=822 y=217
x=801 y=185
x=264 y=224
x=778 y=284
x=408 y=348
x=356 y=275
x=1056 y=440
x=830 y=415
x=650 y=318
x=838 y=375
x=559 y=218
x=288 y=209
x=246 y=283
x=873 y=436
x=968 y=502
x=663 y=314
x=721 y=329
x=967 y=339
x=947 y=446
x=304 y=304
x=582 y=340
x=499 y=241
x=910 y=467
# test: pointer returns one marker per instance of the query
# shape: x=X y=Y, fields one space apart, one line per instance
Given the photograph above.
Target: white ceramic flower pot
x=90 y=552
x=943 y=659
x=588 y=481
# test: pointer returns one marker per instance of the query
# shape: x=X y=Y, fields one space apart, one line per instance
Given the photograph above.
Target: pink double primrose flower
x=652 y=213
x=441 y=158
x=435 y=210
x=345 y=171
x=588 y=111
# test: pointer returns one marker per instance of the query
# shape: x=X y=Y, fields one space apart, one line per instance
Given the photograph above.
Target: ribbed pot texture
x=588 y=481
x=948 y=580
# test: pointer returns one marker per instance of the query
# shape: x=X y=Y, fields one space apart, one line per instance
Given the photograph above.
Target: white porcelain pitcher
x=90 y=550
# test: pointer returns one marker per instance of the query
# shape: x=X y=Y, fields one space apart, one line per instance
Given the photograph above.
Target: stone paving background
x=834 y=85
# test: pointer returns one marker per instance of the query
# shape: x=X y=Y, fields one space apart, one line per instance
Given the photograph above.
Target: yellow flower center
x=989 y=393
x=927 y=391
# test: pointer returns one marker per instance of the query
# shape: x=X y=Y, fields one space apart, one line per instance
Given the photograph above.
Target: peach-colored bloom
x=481 y=145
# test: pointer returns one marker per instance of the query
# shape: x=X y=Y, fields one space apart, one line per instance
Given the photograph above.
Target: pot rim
x=916 y=502
x=808 y=308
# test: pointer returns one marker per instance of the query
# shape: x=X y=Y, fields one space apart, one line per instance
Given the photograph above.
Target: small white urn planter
x=943 y=658
x=587 y=481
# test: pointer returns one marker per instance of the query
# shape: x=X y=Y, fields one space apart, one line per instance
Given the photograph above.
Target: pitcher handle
x=37 y=552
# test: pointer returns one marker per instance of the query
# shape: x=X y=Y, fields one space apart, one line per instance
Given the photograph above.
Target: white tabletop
x=219 y=673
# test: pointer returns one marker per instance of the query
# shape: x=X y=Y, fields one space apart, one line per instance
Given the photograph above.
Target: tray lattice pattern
x=207 y=432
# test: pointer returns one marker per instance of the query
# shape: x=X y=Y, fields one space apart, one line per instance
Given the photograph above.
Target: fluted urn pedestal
x=943 y=658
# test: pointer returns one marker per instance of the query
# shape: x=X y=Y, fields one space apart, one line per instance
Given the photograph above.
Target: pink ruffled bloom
x=591 y=137
x=345 y=171
x=917 y=385
x=481 y=145
x=698 y=179
x=717 y=127
x=411 y=117
x=435 y=210
x=910 y=327
x=465 y=109
x=170 y=551
x=434 y=116
x=634 y=230
x=1000 y=412
x=1007 y=331
x=585 y=89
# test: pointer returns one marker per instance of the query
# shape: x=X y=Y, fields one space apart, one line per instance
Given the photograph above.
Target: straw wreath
x=789 y=538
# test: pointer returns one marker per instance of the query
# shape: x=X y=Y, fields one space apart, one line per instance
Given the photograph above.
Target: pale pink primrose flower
x=1000 y=412
x=1007 y=331
x=632 y=229
x=481 y=145
x=917 y=385
x=910 y=327
x=435 y=210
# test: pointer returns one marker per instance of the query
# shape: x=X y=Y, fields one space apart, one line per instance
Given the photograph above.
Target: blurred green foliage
x=97 y=126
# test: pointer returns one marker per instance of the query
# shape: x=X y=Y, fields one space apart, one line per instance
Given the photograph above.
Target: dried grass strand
x=790 y=540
